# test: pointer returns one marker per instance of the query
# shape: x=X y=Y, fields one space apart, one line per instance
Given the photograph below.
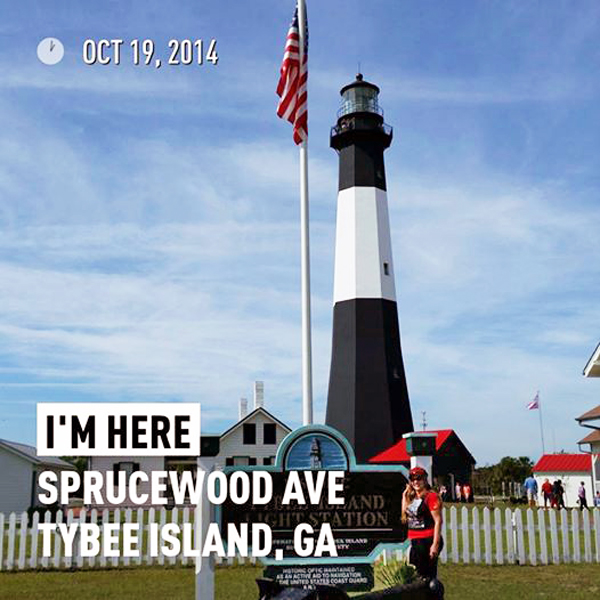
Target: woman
x=422 y=512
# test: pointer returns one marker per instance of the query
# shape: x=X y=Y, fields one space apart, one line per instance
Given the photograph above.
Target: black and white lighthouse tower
x=368 y=398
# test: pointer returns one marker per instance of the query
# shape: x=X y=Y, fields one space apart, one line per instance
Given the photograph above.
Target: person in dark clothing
x=422 y=512
x=558 y=491
x=581 y=497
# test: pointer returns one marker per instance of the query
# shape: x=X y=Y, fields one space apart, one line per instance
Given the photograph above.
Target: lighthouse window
x=386 y=268
x=249 y=433
x=269 y=435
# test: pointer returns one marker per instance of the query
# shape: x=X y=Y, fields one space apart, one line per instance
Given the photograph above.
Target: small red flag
x=535 y=403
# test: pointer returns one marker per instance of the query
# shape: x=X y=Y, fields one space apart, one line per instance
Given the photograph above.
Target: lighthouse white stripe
x=363 y=246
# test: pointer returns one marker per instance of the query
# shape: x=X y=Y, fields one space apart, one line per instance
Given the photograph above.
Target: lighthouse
x=368 y=397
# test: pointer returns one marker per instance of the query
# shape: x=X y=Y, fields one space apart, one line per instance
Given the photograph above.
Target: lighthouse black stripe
x=368 y=397
x=361 y=165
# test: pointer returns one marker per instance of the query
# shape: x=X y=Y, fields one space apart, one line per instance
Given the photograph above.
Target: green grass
x=575 y=582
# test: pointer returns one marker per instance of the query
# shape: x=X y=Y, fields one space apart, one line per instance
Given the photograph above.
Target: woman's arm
x=405 y=502
x=436 y=513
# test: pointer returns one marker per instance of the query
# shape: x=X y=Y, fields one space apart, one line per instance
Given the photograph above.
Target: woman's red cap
x=418 y=471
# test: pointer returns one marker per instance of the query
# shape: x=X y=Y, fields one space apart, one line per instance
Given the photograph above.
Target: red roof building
x=563 y=463
x=571 y=470
x=452 y=462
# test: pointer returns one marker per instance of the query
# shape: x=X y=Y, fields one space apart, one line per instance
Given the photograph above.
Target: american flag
x=535 y=403
x=292 y=82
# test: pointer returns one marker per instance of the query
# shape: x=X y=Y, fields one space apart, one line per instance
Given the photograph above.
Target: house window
x=386 y=268
x=268 y=460
x=269 y=433
x=249 y=433
x=128 y=467
x=229 y=462
x=251 y=461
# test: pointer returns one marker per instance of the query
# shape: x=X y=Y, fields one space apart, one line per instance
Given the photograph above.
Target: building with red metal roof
x=452 y=462
x=571 y=469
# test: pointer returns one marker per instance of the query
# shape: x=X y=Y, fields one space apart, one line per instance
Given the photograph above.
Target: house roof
x=398 y=453
x=29 y=453
x=592 y=437
x=590 y=415
x=563 y=463
x=250 y=415
x=592 y=367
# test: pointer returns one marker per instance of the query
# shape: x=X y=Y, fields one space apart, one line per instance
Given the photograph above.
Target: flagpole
x=541 y=423
x=307 y=408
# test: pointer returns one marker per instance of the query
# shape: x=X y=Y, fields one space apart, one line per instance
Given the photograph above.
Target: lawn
x=463 y=582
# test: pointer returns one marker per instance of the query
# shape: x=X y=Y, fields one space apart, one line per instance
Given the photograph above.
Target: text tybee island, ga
x=311 y=502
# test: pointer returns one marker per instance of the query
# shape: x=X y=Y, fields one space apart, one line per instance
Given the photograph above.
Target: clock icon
x=50 y=51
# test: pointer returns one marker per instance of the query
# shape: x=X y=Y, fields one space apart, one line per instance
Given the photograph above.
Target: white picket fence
x=508 y=536
x=471 y=535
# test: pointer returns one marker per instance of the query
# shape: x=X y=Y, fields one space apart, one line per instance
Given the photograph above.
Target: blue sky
x=149 y=219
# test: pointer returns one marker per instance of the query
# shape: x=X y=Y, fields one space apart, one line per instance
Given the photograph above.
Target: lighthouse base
x=368 y=397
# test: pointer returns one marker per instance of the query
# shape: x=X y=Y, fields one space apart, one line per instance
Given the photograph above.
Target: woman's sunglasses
x=416 y=477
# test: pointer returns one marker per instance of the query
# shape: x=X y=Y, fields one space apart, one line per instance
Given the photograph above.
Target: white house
x=591 y=420
x=20 y=465
x=253 y=440
x=571 y=469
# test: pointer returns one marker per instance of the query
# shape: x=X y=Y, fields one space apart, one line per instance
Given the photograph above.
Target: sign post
x=203 y=515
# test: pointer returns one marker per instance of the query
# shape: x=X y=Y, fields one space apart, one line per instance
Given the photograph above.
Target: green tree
x=489 y=478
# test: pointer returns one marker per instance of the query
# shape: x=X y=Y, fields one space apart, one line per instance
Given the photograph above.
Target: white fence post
x=498 y=530
x=125 y=560
x=46 y=559
x=185 y=519
x=554 y=537
x=587 y=536
x=520 y=540
x=454 y=534
x=596 y=512
x=542 y=530
x=564 y=528
x=12 y=529
x=510 y=535
x=139 y=519
x=531 y=537
x=22 y=540
x=444 y=553
x=163 y=521
x=575 y=530
x=174 y=519
x=464 y=526
x=69 y=559
x=116 y=519
x=33 y=532
x=151 y=519
x=94 y=520
x=105 y=519
x=56 y=562
x=1 y=541
x=476 y=536
x=487 y=535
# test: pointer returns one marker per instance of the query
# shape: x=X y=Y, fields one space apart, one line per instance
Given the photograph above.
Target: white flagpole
x=541 y=423
x=307 y=409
